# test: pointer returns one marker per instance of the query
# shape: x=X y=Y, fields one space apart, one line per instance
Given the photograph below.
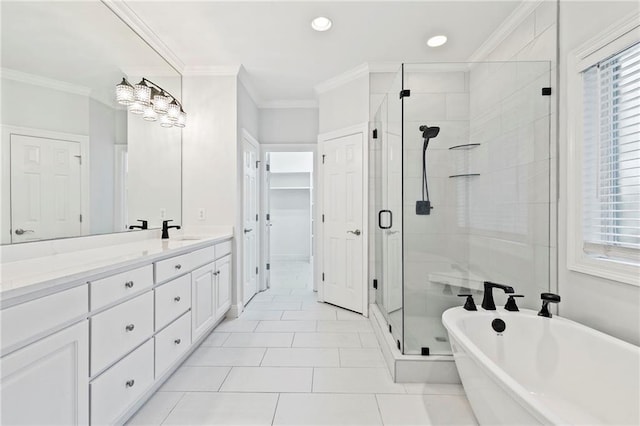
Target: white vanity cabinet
x=47 y=382
x=94 y=352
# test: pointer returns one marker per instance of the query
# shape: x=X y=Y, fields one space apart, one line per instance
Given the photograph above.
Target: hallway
x=291 y=360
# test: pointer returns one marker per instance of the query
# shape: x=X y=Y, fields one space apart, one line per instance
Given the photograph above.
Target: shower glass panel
x=479 y=209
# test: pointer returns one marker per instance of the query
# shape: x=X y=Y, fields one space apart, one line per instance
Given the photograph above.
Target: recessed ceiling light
x=321 y=23
x=436 y=41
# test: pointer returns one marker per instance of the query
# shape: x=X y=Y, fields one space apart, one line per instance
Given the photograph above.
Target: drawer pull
x=216 y=273
x=128 y=284
x=130 y=327
x=130 y=383
x=177 y=298
x=177 y=341
x=178 y=266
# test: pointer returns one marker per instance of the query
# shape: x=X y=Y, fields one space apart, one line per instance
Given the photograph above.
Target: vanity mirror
x=74 y=161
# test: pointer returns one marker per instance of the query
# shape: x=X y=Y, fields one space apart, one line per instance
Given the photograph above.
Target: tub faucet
x=166 y=227
x=487 y=301
x=546 y=299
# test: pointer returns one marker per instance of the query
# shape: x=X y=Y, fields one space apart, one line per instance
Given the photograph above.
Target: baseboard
x=436 y=369
x=234 y=311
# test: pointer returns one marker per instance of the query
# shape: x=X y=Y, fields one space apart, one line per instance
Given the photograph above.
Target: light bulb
x=161 y=103
x=321 y=23
x=173 y=112
x=124 y=93
x=136 y=108
x=182 y=119
x=165 y=121
x=142 y=93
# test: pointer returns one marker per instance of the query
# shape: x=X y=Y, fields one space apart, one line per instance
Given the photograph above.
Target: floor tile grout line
x=263 y=357
x=225 y=379
x=273 y=419
x=172 y=408
x=375 y=395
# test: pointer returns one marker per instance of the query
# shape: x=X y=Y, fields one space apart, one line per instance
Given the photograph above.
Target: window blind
x=611 y=156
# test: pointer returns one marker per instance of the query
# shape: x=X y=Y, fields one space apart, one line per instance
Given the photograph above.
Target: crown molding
x=211 y=71
x=385 y=67
x=48 y=83
x=520 y=13
x=289 y=104
x=341 y=79
x=245 y=80
x=144 y=31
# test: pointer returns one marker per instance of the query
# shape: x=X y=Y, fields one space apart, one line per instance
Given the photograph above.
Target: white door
x=45 y=188
x=343 y=244
x=250 y=220
x=47 y=382
x=392 y=237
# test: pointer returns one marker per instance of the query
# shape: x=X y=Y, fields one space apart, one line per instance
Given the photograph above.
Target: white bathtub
x=543 y=370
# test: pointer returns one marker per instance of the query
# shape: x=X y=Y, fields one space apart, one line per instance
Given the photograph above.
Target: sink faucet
x=166 y=227
x=487 y=300
x=145 y=225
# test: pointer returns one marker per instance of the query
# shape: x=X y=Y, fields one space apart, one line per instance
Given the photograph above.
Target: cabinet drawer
x=31 y=319
x=111 y=289
x=172 y=300
x=223 y=249
x=120 y=329
x=172 y=342
x=178 y=265
x=122 y=385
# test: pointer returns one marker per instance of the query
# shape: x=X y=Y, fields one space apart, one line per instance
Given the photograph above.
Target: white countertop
x=24 y=277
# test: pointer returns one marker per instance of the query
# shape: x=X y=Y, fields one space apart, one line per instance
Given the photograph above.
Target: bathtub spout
x=487 y=301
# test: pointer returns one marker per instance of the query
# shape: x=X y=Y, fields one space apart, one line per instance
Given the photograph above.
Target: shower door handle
x=380 y=219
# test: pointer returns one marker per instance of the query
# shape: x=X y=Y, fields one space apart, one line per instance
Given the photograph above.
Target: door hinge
x=389 y=328
x=268 y=266
x=375 y=133
x=257 y=164
x=399 y=346
x=323 y=276
x=375 y=284
x=268 y=167
x=256 y=270
x=405 y=93
x=256 y=217
x=323 y=218
x=546 y=91
x=79 y=157
x=323 y=157
x=80 y=218
x=268 y=216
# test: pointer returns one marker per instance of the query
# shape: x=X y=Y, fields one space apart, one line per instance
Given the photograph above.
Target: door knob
x=246 y=231
x=356 y=232
x=21 y=231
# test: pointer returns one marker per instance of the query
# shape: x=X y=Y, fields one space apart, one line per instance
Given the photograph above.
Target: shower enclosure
x=487 y=213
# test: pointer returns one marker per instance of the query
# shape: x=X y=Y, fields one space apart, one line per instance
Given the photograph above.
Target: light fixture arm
x=157 y=87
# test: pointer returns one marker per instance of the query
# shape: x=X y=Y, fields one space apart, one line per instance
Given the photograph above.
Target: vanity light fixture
x=321 y=23
x=437 y=41
x=152 y=102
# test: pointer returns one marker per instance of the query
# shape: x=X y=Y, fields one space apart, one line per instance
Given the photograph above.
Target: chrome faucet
x=166 y=227
x=487 y=300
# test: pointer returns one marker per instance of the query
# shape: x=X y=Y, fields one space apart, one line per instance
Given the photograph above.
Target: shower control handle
x=380 y=219
x=356 y=232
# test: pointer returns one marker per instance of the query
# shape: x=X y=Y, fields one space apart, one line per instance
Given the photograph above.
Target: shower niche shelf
x=466 y=146
x=465 y=175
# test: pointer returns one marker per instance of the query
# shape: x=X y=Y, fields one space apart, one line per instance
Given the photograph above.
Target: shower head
x=429 y=132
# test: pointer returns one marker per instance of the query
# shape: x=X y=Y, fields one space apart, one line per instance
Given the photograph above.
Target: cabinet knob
x=177 y=298
x=128 y=284
x=178 y=266
x=130 y=383
x=130 y=327
x=177 y=341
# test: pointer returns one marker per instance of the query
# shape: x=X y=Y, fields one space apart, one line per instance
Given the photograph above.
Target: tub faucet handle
x=546 y=299
x=511 y=303
x=469 y=304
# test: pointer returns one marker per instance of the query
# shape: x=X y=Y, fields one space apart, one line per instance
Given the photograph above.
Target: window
x=603 y=157
x=611 y=156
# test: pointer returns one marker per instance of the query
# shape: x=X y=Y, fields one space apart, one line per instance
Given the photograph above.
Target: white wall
x=605 y=305
x=288 y=125
x=344 y=106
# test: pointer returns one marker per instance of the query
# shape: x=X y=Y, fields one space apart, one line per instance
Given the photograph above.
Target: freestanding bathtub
x=543 y=370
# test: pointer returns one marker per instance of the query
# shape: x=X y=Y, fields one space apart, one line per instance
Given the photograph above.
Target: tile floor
x=289 y=360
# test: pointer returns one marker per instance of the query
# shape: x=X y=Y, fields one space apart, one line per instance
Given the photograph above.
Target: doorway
x=290 y=219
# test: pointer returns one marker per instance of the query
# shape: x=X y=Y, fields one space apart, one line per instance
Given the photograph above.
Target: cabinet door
x=223 y=285
x=203 y=304
x=47 y=382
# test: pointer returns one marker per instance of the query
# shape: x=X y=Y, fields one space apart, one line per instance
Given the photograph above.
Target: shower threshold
x=411 y=368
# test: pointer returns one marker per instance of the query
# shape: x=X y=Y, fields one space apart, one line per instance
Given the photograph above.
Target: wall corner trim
x=144 y=31
x=519 y=14
x=345 y=77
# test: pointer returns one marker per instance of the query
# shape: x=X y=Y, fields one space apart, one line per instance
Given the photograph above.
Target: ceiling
x=285 y=59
